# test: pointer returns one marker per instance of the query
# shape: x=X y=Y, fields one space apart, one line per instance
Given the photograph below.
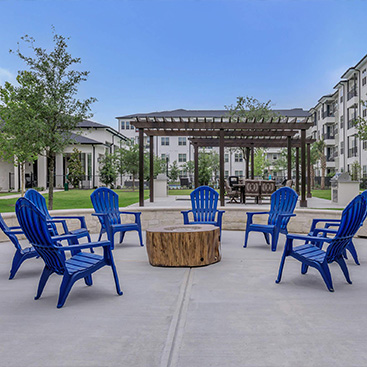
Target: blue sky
x=146 y=56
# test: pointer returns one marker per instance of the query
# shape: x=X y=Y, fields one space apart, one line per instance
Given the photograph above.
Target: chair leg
x=304 y=268
x=281 y=266
x=353 y=252
x=88 y=280
x=114 y=272
x=140 y=237
x=274 y=241
x=43 y=280
x=325 y=273
x=246 y=237
x=89 y=240
x=122 y=235
x=66 y=284
x=267 y=239
x=100 y=235
x=344 y=268
x=17 y=261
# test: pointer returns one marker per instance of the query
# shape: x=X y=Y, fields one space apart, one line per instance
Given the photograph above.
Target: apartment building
x=179 y=149
x=334 y=121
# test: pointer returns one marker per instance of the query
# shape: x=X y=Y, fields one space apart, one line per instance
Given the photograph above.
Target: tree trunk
x=323 y=170
x=133 y=182
x=22 y=178
x=312 y=177
x=51 y=171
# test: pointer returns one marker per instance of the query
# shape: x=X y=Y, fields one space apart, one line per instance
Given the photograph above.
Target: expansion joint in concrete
x=176 y=330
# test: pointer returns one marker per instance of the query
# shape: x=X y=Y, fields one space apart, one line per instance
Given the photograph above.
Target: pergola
x=228 y=132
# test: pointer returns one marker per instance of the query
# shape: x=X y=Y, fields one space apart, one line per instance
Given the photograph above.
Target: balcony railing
x=327 y=114
x=328 y=136
x=352 y=122
x=352 y=93
x=352 y=152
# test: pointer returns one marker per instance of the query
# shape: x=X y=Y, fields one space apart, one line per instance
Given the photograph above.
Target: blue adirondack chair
x=106 y=205
x=21 y=254
x=80 y=265
x=283 y=202
x=314 y=231
x=39 y=201
x=310 y=254
x=204 y=201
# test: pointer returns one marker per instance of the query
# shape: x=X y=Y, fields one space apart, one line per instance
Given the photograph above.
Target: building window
x=127 y=125
x=165 y=157
x=352 y=146
x=341 y=122
x=238 y=173
x=364 y=77
x=182 y=157
x=238 y=157
x=226 y=158
x=364 y=171
x=181 y=141
x=122 y=125
x=364 y=144
x=226 y=174
x=341 y=94
x=342 y=147
x=164 y=140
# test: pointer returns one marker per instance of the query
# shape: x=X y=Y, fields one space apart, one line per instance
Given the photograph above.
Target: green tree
x=128 y=160
x=259 y=162
x=208 y=166
x=57 y=83
x=361 y=124
x=108 y=169
x=76 y=171
x=174 y=171
x=19 y=113
x=319 y=149
x=251 y=108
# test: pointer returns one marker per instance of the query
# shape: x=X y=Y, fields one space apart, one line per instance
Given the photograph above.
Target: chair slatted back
x=204 y=201
x=364 y=195
x=283 y=201
x=13 y=238
x=34 y=225
x=105 y=200
x=350 y=222
x=40 y=202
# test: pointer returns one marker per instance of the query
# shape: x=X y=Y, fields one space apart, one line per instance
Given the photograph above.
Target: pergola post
x=303 y=202
x=297 y=170
x=141 y=166
x=151 y=169
x=221 y=167
x=289 y=158
x=309 y=195
x=196 y=163
x=252 y=163
x=247 y=175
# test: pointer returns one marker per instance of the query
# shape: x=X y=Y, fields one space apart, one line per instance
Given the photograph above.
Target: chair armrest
x=315 y=221
x=15 y=232
x=185 y=214
x=307 y=238
x=63 y=237
x=62 y=221
x=251 y=214
x=80 y=218
x=136 y=214
x=220 y=215
x=327 y=225
x=85 y=245
x=15 y=227
x=323 y=230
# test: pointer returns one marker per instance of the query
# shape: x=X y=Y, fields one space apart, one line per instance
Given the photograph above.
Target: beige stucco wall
x=233 y=219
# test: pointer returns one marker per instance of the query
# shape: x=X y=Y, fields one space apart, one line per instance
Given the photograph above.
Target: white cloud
x=6 y=76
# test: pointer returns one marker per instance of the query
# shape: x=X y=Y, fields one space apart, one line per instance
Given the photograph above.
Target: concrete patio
x=227 y=314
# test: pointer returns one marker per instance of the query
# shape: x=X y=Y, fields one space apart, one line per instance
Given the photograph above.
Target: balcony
x=352 y=122
x=352 y=93
x=352 y=152
x=326 y=114
x=352 y=97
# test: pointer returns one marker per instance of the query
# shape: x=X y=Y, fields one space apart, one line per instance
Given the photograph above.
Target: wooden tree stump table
x=183 y=245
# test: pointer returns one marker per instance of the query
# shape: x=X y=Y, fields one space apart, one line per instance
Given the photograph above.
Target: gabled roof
x=295 y=112
x=80 y=139
x=91 y=124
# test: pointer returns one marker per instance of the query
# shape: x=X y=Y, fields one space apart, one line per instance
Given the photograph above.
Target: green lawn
x=180 y=192
x=76 y=199
x=322 y=194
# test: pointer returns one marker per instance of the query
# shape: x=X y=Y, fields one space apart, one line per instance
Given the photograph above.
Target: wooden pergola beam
x=238 y=133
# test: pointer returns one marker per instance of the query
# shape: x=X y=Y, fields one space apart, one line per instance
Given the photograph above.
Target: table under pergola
x=229 y=132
